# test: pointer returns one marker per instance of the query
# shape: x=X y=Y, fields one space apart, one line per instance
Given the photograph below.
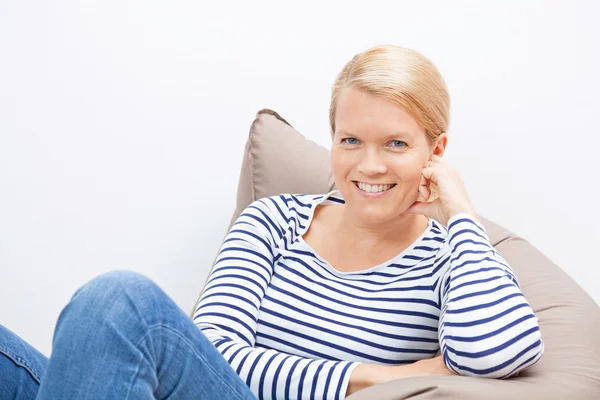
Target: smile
x=373 y=188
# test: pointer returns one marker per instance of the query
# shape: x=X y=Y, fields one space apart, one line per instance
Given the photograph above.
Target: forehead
x=359 y=112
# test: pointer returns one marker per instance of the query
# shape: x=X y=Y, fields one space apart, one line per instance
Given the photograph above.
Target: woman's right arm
x=227 y=313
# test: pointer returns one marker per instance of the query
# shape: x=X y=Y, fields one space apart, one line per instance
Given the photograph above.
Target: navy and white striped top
x=293 y=327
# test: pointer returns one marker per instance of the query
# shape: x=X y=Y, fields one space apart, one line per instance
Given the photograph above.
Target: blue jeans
x=120 y=337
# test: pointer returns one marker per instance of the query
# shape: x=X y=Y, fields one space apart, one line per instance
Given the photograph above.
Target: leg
x=122 y=337
x=21 y=367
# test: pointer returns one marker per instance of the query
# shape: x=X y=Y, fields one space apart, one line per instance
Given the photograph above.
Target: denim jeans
x=120 y=337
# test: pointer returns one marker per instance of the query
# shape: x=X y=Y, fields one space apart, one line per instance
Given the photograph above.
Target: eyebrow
x=388 y=137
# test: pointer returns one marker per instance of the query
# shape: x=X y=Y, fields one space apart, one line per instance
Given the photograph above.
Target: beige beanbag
x=278 y=159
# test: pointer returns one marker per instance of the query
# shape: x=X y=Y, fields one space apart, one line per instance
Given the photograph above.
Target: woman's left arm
x=487 y=327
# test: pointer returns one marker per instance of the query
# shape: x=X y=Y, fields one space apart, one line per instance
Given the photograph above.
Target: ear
x=439 y=146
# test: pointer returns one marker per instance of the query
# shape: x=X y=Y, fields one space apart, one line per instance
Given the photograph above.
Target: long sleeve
x=487 y=327
x=228 y=311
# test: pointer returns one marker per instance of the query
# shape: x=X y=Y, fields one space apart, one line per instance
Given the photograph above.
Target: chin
x=376 y=207
x=375 y=217
x=374 y=211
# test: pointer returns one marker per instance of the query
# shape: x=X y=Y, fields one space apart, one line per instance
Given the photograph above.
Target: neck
x=366 y=235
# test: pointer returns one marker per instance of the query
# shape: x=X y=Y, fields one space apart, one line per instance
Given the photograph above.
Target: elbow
x=500 y=362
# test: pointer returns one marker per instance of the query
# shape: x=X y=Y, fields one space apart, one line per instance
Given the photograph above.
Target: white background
x=122 y=125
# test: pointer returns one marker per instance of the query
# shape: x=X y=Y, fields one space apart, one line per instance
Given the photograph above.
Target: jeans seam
x=191 y=345
x=22 y=363
x=137 y=371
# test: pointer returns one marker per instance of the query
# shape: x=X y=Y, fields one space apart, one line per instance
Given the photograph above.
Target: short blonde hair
x=402 y=76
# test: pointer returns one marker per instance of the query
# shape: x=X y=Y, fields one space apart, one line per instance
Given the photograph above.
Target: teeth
x=374 y=188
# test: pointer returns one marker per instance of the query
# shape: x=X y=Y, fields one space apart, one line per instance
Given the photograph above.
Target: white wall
x=122 y=125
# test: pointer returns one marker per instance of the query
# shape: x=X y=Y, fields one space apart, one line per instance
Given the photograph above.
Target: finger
x=424 y=208
x=429 y=209
x=422 y=179
x=424 y=193
x=431 y=173
x=418 y=207
x=434 y=192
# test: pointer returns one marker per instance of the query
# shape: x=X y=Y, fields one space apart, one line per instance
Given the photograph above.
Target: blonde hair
x=402 y=76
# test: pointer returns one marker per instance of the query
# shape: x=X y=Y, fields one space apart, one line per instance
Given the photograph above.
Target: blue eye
x=397 y=143
x=350 y=140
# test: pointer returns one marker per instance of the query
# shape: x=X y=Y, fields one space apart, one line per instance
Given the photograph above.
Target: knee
x=112 y=294
x=114 y=280
x=111 y=284
x=112 y=306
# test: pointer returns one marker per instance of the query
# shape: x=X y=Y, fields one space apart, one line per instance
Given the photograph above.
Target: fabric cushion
x=278 y=159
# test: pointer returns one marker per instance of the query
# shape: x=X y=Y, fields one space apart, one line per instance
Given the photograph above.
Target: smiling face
x=377 y=155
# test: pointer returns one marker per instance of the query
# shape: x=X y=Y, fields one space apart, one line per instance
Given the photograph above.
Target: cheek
x=340 y=164
x=335 y=164
x=408 y=170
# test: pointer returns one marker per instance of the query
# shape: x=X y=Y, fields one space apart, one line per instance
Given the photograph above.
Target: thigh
x=21 y=367
x=192 y=368
x=188 y=365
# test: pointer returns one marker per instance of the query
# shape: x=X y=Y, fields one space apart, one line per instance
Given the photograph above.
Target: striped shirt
x=293 y=327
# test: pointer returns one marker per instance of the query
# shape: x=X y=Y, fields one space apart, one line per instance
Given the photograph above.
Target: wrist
x=470 y=211
x=385 y=373
x=407 y=371
x=365 y=375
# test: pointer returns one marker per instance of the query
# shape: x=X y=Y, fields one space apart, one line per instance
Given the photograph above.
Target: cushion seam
x=274 y=114
x=251 y=159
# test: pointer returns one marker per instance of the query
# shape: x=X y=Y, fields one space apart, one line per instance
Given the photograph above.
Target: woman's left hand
x=442 y=193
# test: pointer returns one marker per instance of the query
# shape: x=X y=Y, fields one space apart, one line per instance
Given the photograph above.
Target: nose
x=372 y=164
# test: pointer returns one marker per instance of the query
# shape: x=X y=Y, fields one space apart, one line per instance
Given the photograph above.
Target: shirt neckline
x=364 y=271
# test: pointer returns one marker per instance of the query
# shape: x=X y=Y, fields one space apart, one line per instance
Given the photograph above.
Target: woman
x=314 y=296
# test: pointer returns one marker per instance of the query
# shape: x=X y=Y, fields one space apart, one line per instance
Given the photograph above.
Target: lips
x=374 y=187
